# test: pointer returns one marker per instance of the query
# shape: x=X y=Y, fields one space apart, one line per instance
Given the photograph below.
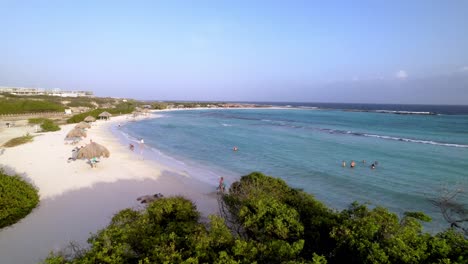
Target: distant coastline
x=402 y=109
x=398 y=109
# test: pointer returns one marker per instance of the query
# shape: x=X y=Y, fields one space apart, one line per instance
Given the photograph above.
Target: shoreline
x=76 y=200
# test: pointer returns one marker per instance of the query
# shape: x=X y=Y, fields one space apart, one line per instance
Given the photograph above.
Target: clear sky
x=308 y=51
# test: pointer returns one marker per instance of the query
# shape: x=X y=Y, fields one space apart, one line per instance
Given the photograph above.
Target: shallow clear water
x=416 y=154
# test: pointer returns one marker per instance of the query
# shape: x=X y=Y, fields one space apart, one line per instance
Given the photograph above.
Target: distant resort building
x=42 y=91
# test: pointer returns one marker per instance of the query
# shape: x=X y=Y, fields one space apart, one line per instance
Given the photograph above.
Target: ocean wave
x=420 y=141
x=226 y=125
x=402 y=112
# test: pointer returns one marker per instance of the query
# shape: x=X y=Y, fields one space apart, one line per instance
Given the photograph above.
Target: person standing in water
x=222 y=186
x=142 y=146
x=344 y=164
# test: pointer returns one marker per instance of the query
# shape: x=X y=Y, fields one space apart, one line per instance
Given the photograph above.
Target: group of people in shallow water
x=353 y=164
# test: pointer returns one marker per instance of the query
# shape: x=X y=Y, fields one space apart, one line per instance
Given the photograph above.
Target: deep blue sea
x=418 y=155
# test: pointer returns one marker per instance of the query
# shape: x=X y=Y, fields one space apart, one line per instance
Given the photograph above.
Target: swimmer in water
x=372 y=166
x=344 y=163
x=353 y=164
x=235 y=148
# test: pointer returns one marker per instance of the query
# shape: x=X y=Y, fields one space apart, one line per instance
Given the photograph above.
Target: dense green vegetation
x=159 y=106
x=17 y=199
x=22 y=106
x=120 y=109
x=164 y=105
x=18 y=141
x=265 y=221
x=16 y=104
x=49 y=125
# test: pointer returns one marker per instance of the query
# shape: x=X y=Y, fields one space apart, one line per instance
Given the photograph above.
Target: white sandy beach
x=77 y=199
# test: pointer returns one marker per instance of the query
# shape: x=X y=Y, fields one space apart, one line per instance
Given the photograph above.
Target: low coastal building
x=42 y=91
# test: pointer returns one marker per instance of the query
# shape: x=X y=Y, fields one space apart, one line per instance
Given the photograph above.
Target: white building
x=42 y=91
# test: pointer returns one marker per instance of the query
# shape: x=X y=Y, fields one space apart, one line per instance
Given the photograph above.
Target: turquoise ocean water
x=417 y=155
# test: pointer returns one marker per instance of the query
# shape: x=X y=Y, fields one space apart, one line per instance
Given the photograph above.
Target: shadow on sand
x=75 y=214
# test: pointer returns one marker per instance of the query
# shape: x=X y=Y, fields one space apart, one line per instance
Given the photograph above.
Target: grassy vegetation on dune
x=22 y=106
x=18 y=141
x=17 y=199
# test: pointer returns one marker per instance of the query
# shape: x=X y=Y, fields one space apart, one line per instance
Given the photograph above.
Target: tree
x=454 y=212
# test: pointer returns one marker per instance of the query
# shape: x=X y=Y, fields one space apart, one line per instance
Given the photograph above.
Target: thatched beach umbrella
x=90 y=119
x=105 y=115
x=76 y=133
x=83 y=125
x=93 y=150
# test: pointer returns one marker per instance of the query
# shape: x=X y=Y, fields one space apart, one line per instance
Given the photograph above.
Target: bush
x=18 y=141
x=49 y=125
x=38 y=121
x=266 y=221
x=17 y=199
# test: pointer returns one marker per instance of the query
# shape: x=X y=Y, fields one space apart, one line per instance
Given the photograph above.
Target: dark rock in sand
x=149 y=198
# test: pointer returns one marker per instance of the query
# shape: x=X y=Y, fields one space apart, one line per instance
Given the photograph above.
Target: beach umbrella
x=90 y=119
x=105 y=115
x=83 y=125
x=76 y=133
x=92 y=150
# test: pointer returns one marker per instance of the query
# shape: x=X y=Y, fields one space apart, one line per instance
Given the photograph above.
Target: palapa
x=93 y=150
x=90 y=119
x=105 y=115
x=76 y=133
x=83 y=125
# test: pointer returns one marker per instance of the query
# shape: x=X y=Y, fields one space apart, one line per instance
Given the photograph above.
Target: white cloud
x=401 y=74
x=463 y=69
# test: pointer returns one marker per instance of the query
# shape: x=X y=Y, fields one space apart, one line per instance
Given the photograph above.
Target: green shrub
x=159 y=106
x=39 y=120
x=17 y=199
x=49 y=125
x=266 y=221
x=18 y=141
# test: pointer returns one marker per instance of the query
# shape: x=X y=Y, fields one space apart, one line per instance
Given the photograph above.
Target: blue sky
x=330 y=51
